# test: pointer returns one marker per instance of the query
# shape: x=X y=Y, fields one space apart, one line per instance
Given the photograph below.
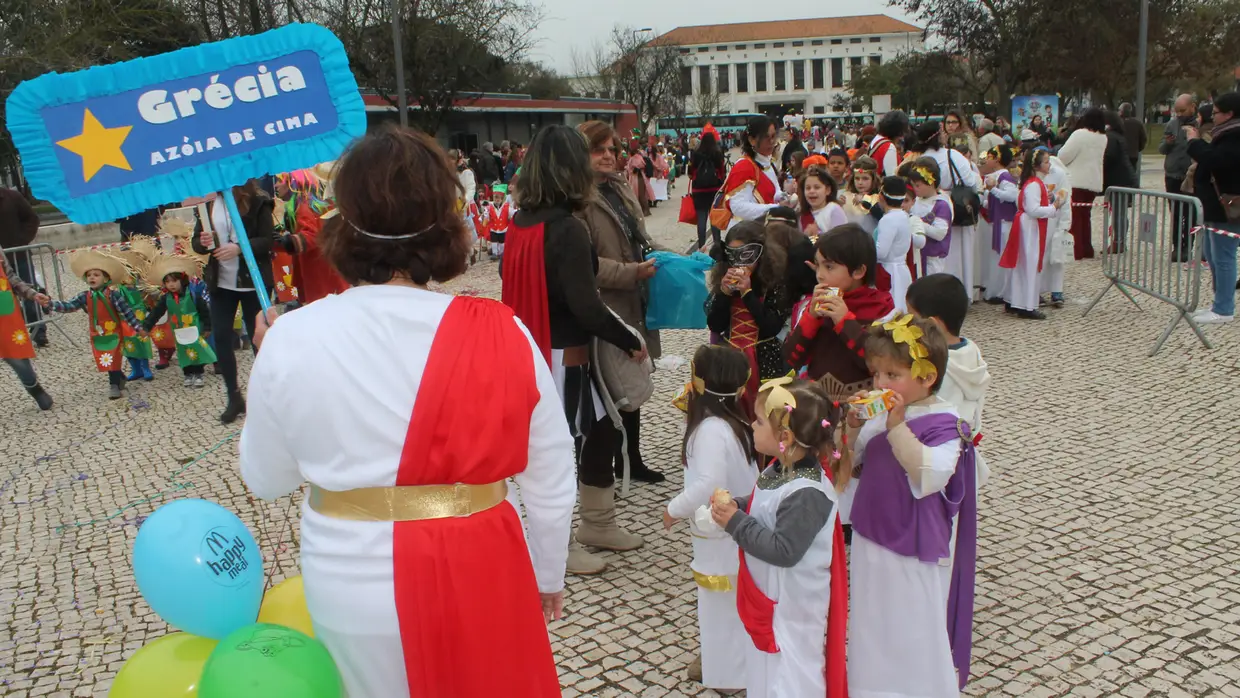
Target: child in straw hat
x=187 y=314
x=137 y=350
x=106 y=310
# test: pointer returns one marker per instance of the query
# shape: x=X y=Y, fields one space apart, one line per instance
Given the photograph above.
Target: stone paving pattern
x=1110 y=533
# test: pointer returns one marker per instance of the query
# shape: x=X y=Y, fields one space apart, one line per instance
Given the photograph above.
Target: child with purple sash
x=1000 y=211
x=910 y=624
x=934 y=208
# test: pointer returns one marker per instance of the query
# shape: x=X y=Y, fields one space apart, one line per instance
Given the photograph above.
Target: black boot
x=235 y=408
x=41 y=397
x=637 y=468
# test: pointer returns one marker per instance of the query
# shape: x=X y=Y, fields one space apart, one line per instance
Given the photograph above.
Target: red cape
x=868 y=303
x=525 y=283
x=313 y=275
x=1012 y=250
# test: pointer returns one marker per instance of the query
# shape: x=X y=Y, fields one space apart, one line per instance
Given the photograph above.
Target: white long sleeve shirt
x=744 y=204
x=330 y=399
x=963 y=167
x=716 y=459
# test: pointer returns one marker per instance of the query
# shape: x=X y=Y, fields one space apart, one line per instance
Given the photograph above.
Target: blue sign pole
x=243 y=241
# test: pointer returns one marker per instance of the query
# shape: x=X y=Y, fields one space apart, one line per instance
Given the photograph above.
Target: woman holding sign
x=229 y=279
x=417 y=572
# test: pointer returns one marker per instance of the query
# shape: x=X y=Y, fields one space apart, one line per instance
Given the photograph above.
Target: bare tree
x=707 y=102
x=452 y=48
x=645 y=74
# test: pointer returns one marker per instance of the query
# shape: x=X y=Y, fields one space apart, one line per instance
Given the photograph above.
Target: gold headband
x=697 y=385
x=902 y=332
x=926 y=175
x=778 y=399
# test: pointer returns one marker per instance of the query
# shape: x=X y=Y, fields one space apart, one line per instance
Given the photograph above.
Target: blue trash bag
x=678 y=291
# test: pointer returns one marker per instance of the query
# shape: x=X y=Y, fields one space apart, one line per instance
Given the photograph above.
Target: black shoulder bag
x=966 y=204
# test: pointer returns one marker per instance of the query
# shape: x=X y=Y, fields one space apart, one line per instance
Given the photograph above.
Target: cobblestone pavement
x=1109 y=560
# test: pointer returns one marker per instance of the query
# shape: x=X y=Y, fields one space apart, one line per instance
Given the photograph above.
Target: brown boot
x=598 y=521
x=581 y=562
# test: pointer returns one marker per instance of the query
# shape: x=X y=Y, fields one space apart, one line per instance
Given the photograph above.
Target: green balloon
x=265 y=660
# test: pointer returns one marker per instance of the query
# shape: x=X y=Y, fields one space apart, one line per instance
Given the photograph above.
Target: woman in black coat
x=228 y=277
x=1117 y=171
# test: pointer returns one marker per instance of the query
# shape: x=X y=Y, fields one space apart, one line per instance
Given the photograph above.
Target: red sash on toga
x=524 y=283
x=1012 y=250
x=471 y=622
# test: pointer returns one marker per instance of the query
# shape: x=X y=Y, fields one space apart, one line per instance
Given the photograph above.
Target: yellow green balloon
x=285 y=604
x=169 y=667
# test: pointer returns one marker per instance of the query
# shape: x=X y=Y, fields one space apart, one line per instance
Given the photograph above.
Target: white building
x=786 y=66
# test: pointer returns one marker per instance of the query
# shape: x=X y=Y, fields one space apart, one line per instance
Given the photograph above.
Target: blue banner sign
x=113 y=140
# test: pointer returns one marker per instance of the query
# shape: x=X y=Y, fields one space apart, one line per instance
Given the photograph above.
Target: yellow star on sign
x=98 y=146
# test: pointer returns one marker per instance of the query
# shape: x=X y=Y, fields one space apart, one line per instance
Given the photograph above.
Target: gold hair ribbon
x=903 y=332
x=926 y=175
x=778 y=398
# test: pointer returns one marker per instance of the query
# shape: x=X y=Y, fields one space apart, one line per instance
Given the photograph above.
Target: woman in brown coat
x=618 y=230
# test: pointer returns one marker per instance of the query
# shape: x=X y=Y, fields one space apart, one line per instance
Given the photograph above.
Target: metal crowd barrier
x=39 y=265
x=1149 y=246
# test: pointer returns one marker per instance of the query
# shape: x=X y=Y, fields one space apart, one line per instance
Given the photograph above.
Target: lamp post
x=637 y=74
x=1142 y=49
x=400 y=63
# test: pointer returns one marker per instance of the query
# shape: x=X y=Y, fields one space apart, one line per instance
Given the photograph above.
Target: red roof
x=786 y=29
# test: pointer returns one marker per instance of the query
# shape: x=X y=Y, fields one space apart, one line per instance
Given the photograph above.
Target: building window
x=798 y=75
x=855 y=41
x=818 y=73
x=759 y=77
x=703 y=78
x=721 y=79
x=781 y=75
x=742 y=77
x=876 y=60
x=777 y=44
x=798 y=43
x=684 y=51
x=721 y=48
x=837 y=72
x=875 y=39
x=740 y=47
x=820 y=110
x=836 y=42
x=703 y=49
x=759 y=45
x=854 y=61
x=816 y=42
x=686 y=81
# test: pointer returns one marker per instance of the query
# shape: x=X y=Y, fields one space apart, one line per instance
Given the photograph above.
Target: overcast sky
x=578 y=24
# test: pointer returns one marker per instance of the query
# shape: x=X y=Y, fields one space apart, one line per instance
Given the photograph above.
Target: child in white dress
x=935 y=210
x=718 y=455
x=791 y=587
x=892 y=240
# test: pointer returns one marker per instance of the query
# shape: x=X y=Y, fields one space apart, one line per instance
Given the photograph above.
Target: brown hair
x=245 y=194
x=599 y=134
x=396 y=182
x=880 y=343
x=556 y=171
x=821 y=173
x=771 y=266
x=869 y=164
x=814 y=406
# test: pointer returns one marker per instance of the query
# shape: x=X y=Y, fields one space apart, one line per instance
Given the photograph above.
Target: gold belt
x=714 y=582
x=411 y=503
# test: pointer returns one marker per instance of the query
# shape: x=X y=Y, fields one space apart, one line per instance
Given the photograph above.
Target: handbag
x=1230 y=202
x=966 y=204
x=688 y=213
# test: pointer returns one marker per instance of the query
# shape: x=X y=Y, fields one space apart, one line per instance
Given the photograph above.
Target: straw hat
x=171 y=264
x=83 y=261
x=183 y=232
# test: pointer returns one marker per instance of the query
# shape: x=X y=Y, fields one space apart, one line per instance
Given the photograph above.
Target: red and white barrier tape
x=1217 y=231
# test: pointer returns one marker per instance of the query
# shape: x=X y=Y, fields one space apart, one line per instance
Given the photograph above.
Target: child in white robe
x=1026 y=247
x=935 y=210
x=718 y=455
x=1000 y=202
x=1058 y=236
x=791 y=587
x=893 y=239
x=917 y=475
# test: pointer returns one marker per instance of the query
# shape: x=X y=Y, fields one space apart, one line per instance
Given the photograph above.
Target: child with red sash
x=106 y=310
x=828 y=332
x=910 y=631
x=312 y=276
x=718 y=455
x=748 y=305
x=1025 y=250
x=792 y=587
